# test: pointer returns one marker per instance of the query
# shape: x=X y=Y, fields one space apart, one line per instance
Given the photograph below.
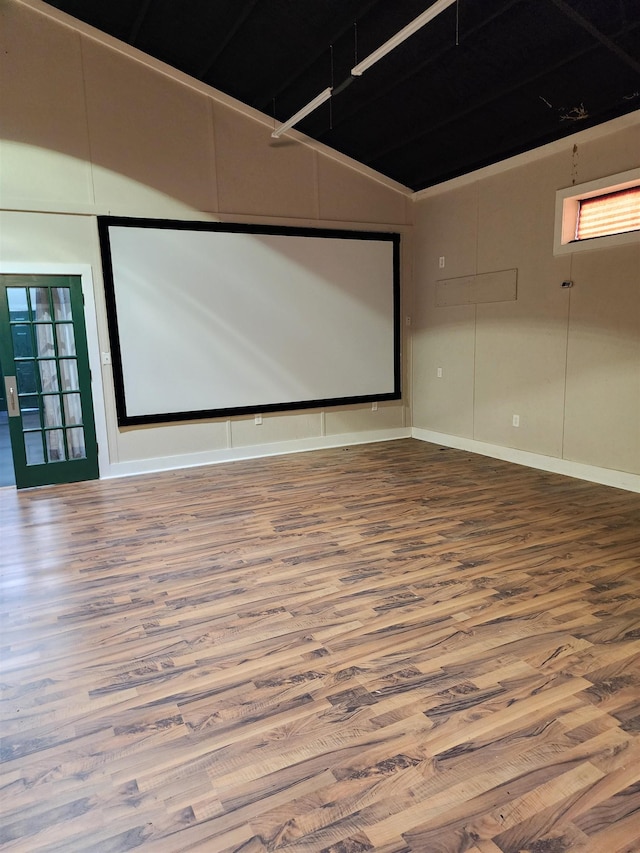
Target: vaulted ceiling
x=482 y=81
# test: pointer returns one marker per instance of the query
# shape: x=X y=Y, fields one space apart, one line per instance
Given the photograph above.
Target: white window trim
x=567 y=204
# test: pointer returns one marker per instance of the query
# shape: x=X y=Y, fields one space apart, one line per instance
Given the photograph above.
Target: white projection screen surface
x=211 y=320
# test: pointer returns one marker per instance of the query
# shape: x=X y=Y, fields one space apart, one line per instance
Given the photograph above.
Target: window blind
x=614 y=213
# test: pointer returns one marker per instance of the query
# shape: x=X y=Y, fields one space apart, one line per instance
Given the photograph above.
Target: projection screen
x=210 y=320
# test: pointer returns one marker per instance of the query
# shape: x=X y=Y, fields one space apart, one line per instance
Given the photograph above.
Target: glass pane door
x=48 y=379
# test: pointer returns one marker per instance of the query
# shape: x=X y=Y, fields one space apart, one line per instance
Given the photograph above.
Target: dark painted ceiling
x=484 y=80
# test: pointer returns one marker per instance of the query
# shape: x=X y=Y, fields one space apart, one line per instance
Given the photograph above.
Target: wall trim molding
x=254 y=451
x=592 y=473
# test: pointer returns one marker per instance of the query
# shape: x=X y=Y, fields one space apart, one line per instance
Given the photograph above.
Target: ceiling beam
x=211 y=60
x=137 y=24
x=577 y=18
x=381 y=92
x=480 y=105
x=401 y=36
x=496 y=94
x=265 y=104
x=358 y=70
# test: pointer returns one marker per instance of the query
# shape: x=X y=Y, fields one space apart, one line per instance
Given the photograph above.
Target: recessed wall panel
x=151 y=137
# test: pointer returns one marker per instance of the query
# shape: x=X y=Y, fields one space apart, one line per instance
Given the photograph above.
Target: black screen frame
x=208 y=413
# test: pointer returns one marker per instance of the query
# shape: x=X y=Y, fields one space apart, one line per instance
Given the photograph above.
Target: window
x=613 y=213
x=601 y=213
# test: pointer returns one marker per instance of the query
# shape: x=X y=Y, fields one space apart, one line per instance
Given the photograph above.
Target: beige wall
x=90 y=127
x=566 y=361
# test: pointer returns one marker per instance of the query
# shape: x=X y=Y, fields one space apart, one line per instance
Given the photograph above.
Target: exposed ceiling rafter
x=300 y=71
x=597 y=34
x=379 y=53
x=137 y=24
x=206 y=67
x=414 y=71
x=495 y=97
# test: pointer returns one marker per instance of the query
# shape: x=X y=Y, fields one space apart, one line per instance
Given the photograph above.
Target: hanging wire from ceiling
x=360 y=67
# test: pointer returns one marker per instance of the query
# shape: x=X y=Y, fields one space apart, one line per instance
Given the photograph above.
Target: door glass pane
x=44 y=340
x=61 y=303
x=22 y=343
x=69 y=374
x=30 y=412
x=66 y=340
x=55 y=445
x=72 y=409
x=18 y=305
x=48 y=368
x=33 y=448
x=26 y=377
x=48 y=376
x=52 y=413
x=40 y=303
x=75 y=443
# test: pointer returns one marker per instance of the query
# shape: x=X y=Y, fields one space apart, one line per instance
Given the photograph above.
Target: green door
x=43 y=350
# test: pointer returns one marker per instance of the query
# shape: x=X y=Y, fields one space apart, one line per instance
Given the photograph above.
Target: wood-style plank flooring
x=393 y=647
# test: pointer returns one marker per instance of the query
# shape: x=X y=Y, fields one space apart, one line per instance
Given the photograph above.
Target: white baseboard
x=255 y=451
x=603 y=476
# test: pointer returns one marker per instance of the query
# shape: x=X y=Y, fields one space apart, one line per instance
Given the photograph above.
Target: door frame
x=85 y=273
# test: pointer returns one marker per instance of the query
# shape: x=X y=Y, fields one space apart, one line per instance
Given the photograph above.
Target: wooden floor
x=393 y=647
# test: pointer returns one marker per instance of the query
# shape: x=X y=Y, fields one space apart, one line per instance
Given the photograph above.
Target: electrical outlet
x=374 y=407
x=258 y=420
x=516 y=421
